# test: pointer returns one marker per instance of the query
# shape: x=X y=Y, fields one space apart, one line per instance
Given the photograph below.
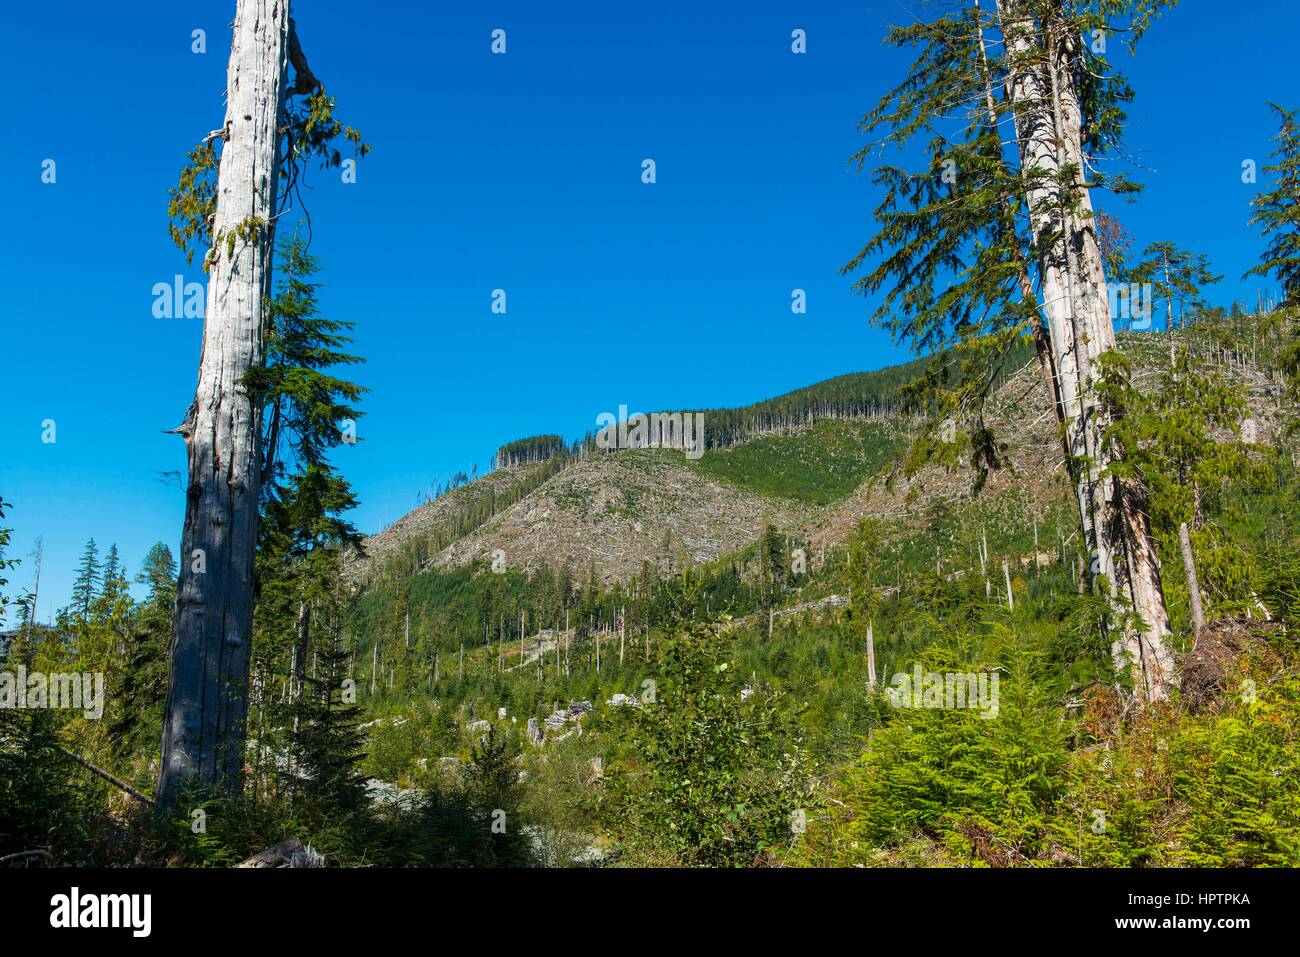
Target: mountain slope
x=617 y=511
x=816 y=477
x=769 y=459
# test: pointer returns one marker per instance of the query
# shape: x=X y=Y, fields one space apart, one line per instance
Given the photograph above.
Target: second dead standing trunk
x=1040 y=50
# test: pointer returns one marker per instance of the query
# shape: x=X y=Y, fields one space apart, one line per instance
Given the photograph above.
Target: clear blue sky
x=519 y=172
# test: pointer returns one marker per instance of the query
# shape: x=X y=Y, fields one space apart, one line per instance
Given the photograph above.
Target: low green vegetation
x=818 y=465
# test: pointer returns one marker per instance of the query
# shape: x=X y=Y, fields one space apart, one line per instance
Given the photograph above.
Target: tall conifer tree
x=85 y=587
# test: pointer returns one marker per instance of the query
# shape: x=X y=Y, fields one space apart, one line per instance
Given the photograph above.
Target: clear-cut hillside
x=619 y=511
x=423 y=527
x=1020 y=416
x=615 y=512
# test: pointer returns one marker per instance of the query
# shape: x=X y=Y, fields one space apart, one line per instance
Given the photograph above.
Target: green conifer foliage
x=1277 y=211
x=87 y=583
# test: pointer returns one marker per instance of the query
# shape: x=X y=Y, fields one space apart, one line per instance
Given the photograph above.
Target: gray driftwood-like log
x=290 y=853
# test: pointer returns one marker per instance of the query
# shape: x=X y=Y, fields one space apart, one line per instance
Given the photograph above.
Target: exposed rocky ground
x=1020 y=416
x=438 y=515
x=621 y=510
x=616 y=512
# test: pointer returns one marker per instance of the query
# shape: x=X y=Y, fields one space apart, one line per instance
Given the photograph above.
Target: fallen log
x=290 y=853
x=107 y=777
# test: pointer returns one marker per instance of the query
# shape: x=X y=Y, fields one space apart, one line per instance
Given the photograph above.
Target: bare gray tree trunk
x=1112 y=512
x=30 y=625
x=1042 y=343
x=207 y=698
x=871 y=656
x=1193 y=586
x=1169 y=314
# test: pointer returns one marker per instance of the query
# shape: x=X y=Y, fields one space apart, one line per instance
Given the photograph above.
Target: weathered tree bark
x=1042 y=341
x=207 y=698
x=1193 y=586
x=290 y=853
x=1112 y=513
x=871 y=656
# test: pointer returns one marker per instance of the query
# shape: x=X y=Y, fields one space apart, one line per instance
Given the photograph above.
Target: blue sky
x=520 y=172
